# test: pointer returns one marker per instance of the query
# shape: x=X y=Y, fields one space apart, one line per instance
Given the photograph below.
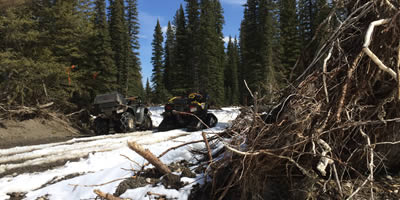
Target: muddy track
x=39 y=158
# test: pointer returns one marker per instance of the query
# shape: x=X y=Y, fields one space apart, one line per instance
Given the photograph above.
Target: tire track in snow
x=28 y=159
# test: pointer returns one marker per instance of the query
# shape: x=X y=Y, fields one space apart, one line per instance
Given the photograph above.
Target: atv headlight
x=120 y=111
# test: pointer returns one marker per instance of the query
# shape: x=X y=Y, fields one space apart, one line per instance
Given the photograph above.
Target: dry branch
x=367 y=42
x=207 y=146
x=107 y=196
x=145 y=153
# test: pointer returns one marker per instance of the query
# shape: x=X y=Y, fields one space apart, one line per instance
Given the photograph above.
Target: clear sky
x=164 y=10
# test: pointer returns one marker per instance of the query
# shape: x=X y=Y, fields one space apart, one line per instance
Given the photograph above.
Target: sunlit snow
x=101 y=159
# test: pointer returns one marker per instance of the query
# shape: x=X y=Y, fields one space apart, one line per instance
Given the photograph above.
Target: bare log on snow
x=145 y=153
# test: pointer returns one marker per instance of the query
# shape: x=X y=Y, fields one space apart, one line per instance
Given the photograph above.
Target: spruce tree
x=193 y=48
x=148 y=94
x=119 y=36
x=134 y=77
x=212 y=47
x=104 y=70
x=156 y=60
x=177 y=73
x=250 y=37
x=169 y=58
x=290 y=40
x=231 y=74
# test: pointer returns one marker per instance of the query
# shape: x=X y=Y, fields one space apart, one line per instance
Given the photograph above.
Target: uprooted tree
x=334 y=134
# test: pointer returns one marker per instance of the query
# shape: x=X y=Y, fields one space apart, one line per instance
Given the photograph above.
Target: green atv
x=121 y=114
x=186 y=112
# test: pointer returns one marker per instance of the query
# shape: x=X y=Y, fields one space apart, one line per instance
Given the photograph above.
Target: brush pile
x=337 y=134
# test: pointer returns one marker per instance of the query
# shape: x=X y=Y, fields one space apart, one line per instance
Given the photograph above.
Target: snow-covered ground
x=101 y=159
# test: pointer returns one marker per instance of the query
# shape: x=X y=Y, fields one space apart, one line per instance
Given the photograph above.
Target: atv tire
x=166 y=125
x=127 y=122
x=211 y=120
x=195 y=125
x=148 y=124
x=101 y=126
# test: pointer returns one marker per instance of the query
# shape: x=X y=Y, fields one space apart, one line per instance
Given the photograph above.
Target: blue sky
x=164 y=10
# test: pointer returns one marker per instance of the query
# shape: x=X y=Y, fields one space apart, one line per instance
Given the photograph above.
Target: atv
x=121 y=114
x=187 y=112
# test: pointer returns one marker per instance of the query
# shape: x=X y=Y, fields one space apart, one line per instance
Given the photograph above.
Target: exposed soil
x=34 y=131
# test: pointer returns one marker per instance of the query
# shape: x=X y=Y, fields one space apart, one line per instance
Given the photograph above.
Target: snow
x=102 y=159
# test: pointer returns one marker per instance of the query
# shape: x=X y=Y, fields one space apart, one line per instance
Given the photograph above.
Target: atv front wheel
x=101 y=126
x=211 y=120
x=127 y=122
x=148 y=124
x=167 y=124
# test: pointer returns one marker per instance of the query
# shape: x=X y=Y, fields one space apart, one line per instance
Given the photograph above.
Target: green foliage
x=160 y=93
x=212 y=57
x=134 y=77
x=169 y=57
x=231 y=73
x=119 y=38
x=42 y=40
x=290 y=39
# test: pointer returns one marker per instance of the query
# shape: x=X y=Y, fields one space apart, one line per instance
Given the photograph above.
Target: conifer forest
x=69 y=51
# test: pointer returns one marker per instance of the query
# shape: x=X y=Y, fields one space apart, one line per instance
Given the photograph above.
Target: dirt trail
x=34 y=131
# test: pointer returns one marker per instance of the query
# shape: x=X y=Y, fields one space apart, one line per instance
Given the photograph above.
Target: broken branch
x=145 y=153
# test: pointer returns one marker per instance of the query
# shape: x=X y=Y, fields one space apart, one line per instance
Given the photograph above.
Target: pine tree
x=104 y=70
x=193 y=48
x=259 y=37
x=231 y=74
x=251 y=69
x=169 y=57
x=118 y=33
x=134 y=76
x=212 y=47
x=177 y=72
x=311 y=14
x=156 y=60
x=290 y=40
x=148 y=94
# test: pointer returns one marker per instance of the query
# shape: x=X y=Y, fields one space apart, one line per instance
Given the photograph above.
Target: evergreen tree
x=169 y=57
x=104 y=70
x=177 y=72
x=311 y=14
x=269 y=80
x=251 y=70
x=134 y=77
x=231 y=75
x=156 y=60
x=148 y=94
x=289 y=33
x=119 y=36
x=212 y=47
x=193 y=40
x=258 y=39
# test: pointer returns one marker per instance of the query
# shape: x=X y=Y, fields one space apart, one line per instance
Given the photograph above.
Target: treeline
x=273 y=35
x=68 y=51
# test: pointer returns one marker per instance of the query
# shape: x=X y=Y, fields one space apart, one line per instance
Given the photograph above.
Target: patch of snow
x=99 y=160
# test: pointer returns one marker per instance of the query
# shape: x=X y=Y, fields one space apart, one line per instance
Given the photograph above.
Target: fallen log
x=145 y=153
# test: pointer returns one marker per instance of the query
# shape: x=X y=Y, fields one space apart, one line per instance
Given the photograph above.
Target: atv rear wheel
x=101 y=126
x=127 y=122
